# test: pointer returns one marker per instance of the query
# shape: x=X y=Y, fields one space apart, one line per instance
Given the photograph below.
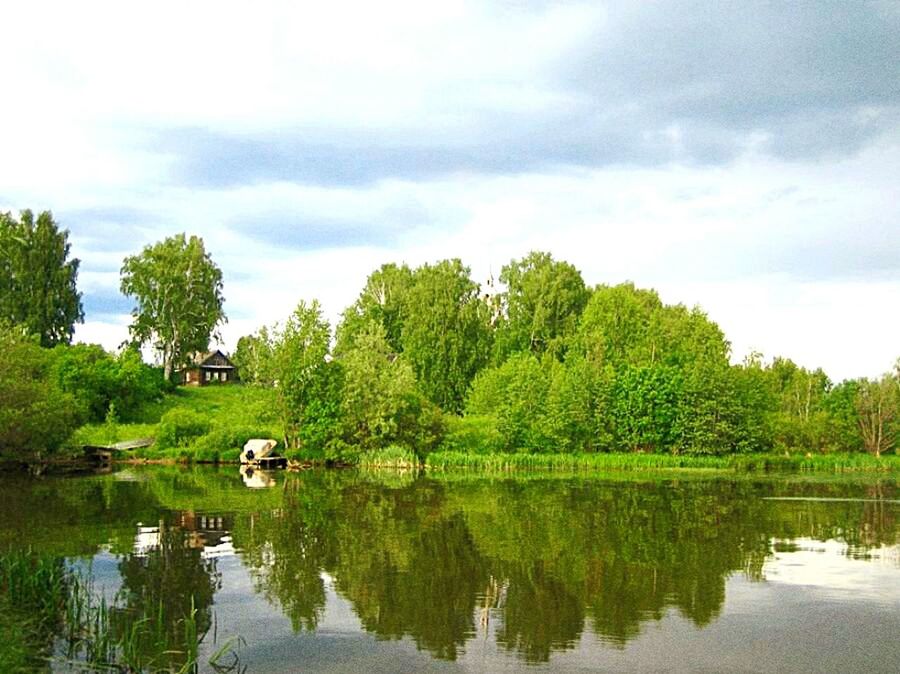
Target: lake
x=343 y=570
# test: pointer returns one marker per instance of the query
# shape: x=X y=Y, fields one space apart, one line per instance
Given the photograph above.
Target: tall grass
x=392 y=456
x=624 y=462
x=52 y=615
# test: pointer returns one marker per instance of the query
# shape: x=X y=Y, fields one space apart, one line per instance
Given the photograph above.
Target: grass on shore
x=209 y=423
x=624 y=462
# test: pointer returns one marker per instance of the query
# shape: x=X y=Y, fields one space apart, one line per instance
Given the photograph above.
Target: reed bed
x=392 y=456
x=507 y=462
x=52 y=615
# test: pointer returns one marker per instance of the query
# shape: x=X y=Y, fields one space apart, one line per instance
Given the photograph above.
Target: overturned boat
x=261 y=453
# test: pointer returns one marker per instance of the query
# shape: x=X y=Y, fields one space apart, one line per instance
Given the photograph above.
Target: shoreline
x=512 y=463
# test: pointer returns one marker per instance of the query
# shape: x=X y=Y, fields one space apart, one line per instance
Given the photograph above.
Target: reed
x=392 y=456
x=43 y=602
x=505 y=462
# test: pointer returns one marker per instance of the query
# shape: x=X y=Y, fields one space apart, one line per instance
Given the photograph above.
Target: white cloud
x=800 y=258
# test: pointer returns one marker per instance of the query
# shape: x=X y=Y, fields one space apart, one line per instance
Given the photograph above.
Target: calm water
x=344 y=571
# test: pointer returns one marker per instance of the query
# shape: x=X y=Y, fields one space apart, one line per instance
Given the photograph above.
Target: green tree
x=541 y=305
x=37 y=278
x=253 y=358
x=878 y=407
x=514 y=395
x=178 y=290
x=299 y=367
x=446 y=333
x=36 y=416
x=377 y=386
x=384 y=299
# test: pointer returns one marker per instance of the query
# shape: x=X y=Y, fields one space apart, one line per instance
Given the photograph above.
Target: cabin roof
x=200 y=360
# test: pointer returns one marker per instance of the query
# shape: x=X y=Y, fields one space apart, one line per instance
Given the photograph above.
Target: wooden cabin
x=211 y=367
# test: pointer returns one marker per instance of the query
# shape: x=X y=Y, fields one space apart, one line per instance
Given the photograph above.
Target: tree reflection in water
x=528 y=565
x=437 y=560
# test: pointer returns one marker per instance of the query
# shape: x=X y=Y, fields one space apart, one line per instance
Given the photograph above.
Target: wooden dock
x=106 y=453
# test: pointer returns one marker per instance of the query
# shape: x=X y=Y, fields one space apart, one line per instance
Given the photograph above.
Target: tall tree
x=446 y=335
x=878 y=406
x=383 y=300
x=178 y=290
x=37 y=278
x=541 y=304
x=253 y=358
x=378 y=387
x=299 y=367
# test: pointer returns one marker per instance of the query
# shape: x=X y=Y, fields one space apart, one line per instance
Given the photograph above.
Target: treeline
x=46 y=393
x=49 y=387
x=425 y=359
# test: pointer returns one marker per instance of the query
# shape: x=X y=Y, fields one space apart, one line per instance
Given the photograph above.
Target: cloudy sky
x=741 y=156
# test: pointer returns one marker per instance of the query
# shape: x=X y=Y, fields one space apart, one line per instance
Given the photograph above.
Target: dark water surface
x=348 y=571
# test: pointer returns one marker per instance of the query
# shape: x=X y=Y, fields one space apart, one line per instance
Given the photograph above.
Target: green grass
x=654 y=462
x=392 y=456
x=233 y=413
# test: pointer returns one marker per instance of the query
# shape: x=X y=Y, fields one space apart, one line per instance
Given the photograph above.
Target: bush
x=180 y=427
x=98 y=380
x=472 y=434
x=213 y=445
x=35 y=415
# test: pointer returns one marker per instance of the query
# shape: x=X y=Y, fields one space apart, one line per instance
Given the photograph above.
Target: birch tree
x=178 y=293
x=38 y=278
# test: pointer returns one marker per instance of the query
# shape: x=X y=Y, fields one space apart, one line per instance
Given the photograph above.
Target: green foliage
x=97 y=380
x=178 y=291
x=842 y=418
x=222 y=442
x=619 y=461
x=392 y=456
x=515 y=395
x=37 y=278
x=384 y=300
x=878 y=409
x=644 y=408
x=541 y=305
x=379 y=391
x=305 y=381
x=624 y=325
x=36 y=415
x=180 y=427
x=253 y=358
x=472 y=434
x=446 y=334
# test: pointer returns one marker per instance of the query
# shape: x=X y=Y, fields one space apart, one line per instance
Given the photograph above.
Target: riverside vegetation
x=425 y=367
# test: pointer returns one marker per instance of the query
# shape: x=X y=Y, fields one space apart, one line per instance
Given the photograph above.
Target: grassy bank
x=835 y=463
x=209 y=423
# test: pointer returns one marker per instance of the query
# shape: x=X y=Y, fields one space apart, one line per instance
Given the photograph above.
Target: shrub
x=472 y=434
x=213 y=445
x=179 y=427
x=35 y=415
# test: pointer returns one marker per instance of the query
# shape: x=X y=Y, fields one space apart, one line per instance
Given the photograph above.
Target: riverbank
x=507 y=462
x=209 y=425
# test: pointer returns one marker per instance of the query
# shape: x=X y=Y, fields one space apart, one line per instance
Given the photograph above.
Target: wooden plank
x=132 y=444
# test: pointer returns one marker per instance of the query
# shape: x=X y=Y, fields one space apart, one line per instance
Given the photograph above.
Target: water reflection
x=257 y=478
x=535 y=565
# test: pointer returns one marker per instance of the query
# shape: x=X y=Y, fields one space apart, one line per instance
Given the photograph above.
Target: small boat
x=261 y=452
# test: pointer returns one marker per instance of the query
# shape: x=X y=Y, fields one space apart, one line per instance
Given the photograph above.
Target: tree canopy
x=37 y=278
x=178 y=291
x=541 y=305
